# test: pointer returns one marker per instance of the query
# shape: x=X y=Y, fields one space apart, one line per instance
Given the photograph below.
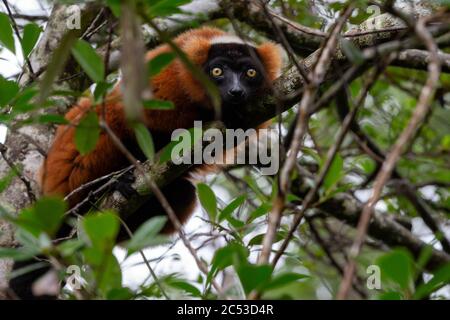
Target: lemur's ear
x=270 y=55
x=197 y=49
x=196 y=44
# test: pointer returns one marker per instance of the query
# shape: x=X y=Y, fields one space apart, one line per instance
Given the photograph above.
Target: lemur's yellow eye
x=251 y=73
x=216 y=72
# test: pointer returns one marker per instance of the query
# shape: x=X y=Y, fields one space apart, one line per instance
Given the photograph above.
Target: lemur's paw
x=124 y=185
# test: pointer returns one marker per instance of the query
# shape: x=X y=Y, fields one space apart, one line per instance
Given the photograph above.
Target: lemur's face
x=235 y=72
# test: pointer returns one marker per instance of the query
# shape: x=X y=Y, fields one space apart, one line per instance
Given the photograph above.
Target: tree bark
x=19 y=149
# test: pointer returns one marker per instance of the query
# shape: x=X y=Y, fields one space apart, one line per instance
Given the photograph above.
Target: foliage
x=237 y=202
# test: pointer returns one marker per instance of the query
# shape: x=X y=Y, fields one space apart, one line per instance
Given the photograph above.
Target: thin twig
x=316 y=78
x=422 y=108
x=284 y=42
x=147 y=263
x=346 y=123
x=329 y=254
x=87 y=185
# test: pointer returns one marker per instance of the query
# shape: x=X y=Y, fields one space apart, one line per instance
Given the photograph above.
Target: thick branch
x=382 y=227
x=419 y=59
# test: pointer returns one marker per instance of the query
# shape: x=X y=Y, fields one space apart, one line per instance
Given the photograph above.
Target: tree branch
x=423 y=106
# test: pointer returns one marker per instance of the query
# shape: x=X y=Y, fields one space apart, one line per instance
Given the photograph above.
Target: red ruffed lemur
x=230 y=64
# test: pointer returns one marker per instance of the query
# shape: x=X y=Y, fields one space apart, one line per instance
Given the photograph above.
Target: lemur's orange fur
x=65 y=169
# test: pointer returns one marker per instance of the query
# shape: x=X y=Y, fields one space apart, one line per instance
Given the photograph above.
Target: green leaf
x=8 y=90
x=366 y=164
x=397 y=267
x=6 y=35
x=120 y=294
x=293 y=198
x=6 y=180
x=166 y=7
x=391 y=295
x=147 y=234
x=445 y=142
x=253 y=184
x=257 y=240
x=69 y=247
x=27 y=239
x=23 y=101
x=102 y=229
x=101 y=89
x=50 y=212
x=236 y=223
x=114 y=5
x=19 y=254
x=89 y=60
x=352 y=52
x=337 y=6
x=208 y=200
x=87 y=133
x=52 y=118
x=260 y=211
x=111 y=277
x=45 y=216
x=254 y=276
x=312 y=153
x=106 y=269
x=334 y=174
x=144 y=139
x=31 y=34
x=185 y=286
x=156 y=104
x=284 y=279
x=440 y=278
x=229 y=209
x=232 y=253
x=360 y=17
x=56 y=65
x=158 y=63
x=29 y=268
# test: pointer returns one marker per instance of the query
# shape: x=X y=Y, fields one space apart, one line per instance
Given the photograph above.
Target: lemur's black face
x=235 y=72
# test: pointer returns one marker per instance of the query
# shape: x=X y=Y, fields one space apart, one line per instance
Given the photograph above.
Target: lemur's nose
x=236 y=92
